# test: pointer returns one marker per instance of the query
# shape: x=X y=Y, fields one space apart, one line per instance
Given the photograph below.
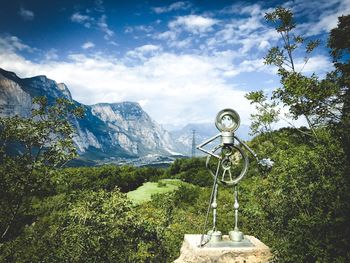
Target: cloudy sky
x=182 y=61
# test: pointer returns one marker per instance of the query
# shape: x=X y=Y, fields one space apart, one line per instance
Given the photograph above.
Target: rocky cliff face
x=13 y=100
x=134 y=129
x=107 y=132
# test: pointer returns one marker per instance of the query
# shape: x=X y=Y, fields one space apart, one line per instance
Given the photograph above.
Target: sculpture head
x=227 y=120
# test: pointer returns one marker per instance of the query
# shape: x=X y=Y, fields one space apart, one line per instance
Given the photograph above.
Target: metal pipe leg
x=215 y=235
x=236 y=235
x=214 y=205
x=202 y=242
x=236 y=206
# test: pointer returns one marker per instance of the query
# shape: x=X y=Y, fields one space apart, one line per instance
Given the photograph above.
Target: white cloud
x=26 y=14
x=142 y=28
x=89 y=21
x=239 y=8
x=189 y=86
x=82 y=19
x=51 y=54
x=171 y=38
x=252 y=10
x=181 y=5
x=264 y=45
x=247 y=32
x=99 y=6
x=102 y=24
x=167 y=35
x=88 y=45
x=144 y=52
x=173 y=88
x=181 y=43
x=148 y=48
x=329 y=20
x=128 y=29
x=321 y=18
x=193 y=23
x=317 y=64
x=13 y=43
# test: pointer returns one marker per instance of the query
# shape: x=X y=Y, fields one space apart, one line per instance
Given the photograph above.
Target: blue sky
x=182 y=61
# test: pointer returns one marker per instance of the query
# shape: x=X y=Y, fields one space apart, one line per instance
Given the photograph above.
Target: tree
x=304 y=95
x=30 y=150
x=339 y=42
x=303 y=201
x=267 y=112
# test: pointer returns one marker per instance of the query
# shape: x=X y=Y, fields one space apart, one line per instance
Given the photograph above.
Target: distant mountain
x=203 y=131
x=109 y=132
x=112 y=132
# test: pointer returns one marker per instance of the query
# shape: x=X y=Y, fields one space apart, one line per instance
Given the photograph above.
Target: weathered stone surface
x=190 y=252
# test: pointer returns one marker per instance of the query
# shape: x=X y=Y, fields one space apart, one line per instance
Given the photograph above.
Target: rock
x=192 y=253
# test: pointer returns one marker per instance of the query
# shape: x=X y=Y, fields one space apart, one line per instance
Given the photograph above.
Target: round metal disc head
x=227 y=120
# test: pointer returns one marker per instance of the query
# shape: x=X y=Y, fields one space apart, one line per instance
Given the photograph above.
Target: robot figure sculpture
x=227 y=157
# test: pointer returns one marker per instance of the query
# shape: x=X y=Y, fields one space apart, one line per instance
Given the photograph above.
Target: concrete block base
x=227 y=251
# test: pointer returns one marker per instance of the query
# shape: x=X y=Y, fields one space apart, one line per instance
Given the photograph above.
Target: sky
x=182 y=61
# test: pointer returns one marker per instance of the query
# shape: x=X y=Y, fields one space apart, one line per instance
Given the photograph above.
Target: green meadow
x=145 y=191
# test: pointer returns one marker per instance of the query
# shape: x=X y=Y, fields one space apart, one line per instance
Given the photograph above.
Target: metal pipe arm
x=248 y=148
x=200 y=147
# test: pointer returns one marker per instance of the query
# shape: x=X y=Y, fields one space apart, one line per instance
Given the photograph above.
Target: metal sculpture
x=225 y=159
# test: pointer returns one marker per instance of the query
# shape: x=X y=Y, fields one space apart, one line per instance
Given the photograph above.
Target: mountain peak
x=63 y=87
x=9 y=74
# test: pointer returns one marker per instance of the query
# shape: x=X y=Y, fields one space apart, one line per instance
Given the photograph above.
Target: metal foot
x=236 y=236
x=215 y=236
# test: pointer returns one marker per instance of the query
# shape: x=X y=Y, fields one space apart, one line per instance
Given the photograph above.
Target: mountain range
x=109 y=132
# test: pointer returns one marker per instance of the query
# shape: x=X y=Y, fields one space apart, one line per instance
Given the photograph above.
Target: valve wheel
x=232 y=158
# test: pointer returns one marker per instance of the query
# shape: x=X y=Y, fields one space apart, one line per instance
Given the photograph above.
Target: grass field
x=145 y=191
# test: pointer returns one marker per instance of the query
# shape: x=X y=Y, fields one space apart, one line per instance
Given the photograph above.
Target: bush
x=161 y=184
x=302 y=210
x=86 y=226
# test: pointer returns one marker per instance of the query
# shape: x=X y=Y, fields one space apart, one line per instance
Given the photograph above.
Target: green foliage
x=191 y=171
x=176 y=213
x=126 y=178
x=305 y=95
x=267 y=112
x=30 y=149
x=308 y=96
x=339 y=42
x=86 y=226
x=283 y=21
x=300 y=208
x=303 y=201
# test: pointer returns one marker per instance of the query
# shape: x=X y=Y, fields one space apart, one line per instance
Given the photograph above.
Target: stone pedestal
x=227 y=251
